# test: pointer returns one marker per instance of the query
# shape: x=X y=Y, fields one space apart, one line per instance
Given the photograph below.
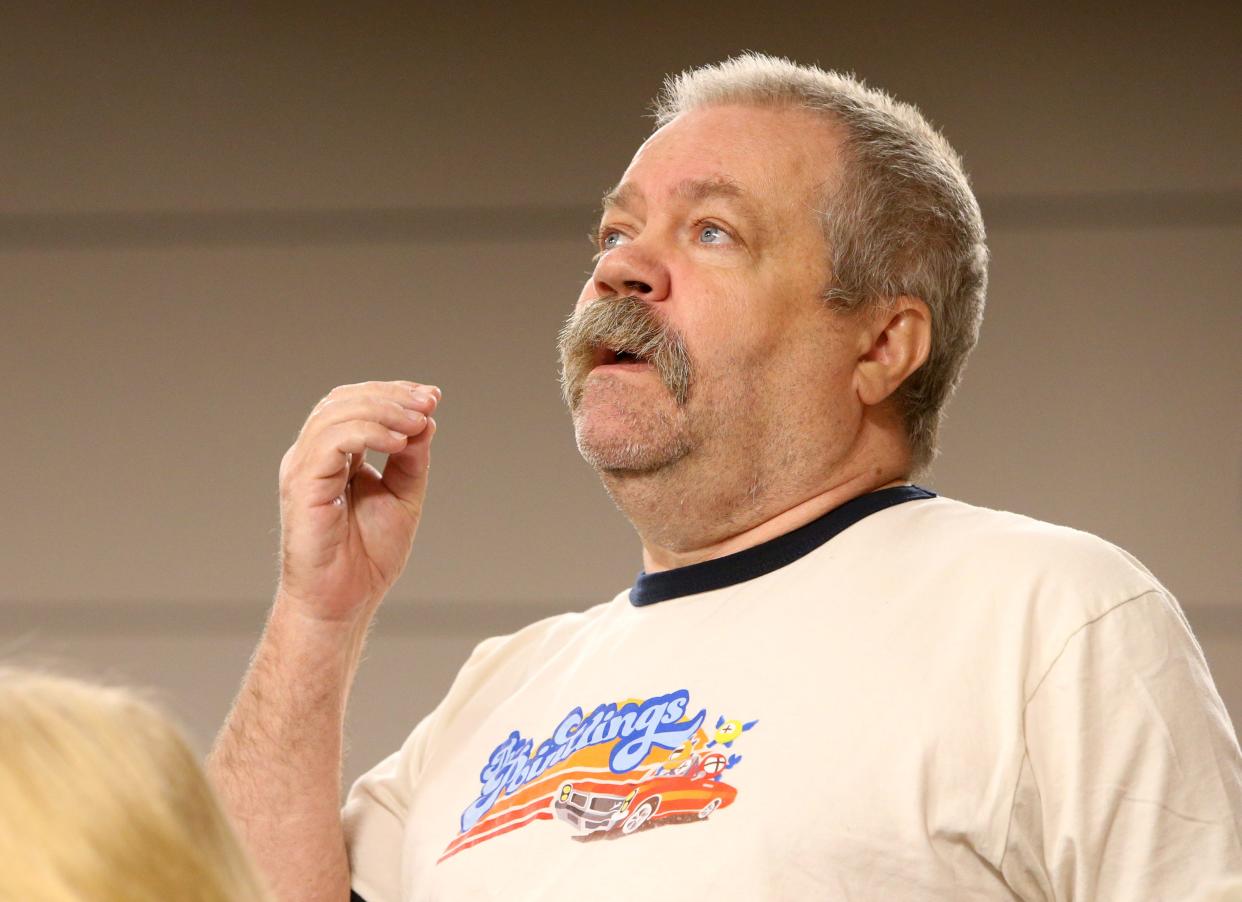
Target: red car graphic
x=620 y=806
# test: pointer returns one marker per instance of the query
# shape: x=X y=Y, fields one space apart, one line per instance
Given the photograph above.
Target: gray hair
x=902 y=221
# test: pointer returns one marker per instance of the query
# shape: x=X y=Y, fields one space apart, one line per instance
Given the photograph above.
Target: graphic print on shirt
x=624 y=767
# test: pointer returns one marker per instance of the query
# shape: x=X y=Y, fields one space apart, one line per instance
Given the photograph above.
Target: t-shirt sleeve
x=374 y=818
x=377 y=807
x=1131 y=785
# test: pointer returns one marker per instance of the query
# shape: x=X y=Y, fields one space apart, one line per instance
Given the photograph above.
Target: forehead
x=629 y=194
x=772 y=155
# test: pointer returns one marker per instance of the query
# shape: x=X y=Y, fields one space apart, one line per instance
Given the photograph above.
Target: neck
x=687 y=513
x=657 y=557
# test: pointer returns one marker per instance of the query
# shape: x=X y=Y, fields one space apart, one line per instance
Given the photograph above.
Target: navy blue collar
x=771 y=555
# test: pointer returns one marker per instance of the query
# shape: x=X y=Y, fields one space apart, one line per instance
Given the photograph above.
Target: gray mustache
x=621 y=324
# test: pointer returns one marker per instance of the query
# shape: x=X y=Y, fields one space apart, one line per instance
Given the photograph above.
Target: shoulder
x=997 y=579
x=992 y=547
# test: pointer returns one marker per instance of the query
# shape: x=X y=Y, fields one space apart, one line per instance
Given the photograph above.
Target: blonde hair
x=902 y=221
x=101 y=799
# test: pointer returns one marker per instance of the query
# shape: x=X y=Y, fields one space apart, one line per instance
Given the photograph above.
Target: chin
x=627 y=458
x=628 y=441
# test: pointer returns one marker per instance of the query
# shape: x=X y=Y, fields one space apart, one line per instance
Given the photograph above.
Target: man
x=827 y=682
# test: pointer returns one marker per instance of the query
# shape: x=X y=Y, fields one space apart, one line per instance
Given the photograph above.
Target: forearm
x=277 y=761
x=346 y=533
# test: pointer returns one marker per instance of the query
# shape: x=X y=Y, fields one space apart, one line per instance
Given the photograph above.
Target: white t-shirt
x=925 y=701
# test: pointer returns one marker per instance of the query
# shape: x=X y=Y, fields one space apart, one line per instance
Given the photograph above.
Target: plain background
x=209 y=218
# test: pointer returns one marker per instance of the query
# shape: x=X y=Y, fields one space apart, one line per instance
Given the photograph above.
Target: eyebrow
x=694 y=190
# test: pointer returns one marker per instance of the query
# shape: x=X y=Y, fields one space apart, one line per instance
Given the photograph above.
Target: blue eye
x=610 y=240
x=711 y=234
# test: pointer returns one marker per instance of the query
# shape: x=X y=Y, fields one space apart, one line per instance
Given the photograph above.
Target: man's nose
x=631 y=271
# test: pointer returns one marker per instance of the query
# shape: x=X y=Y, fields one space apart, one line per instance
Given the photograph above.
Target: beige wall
x=206 y=222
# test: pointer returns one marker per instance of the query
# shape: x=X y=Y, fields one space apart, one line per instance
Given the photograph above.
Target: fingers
x=353 y=463
x=414 y=395
x=393 y=415
x=405 y=473
x=387 y=417
x=326 y=456
x=345 y=535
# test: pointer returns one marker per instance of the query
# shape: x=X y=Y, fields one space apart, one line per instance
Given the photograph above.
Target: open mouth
x=611 y=357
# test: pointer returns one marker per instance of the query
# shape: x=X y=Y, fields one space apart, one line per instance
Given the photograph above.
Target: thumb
x=405 y=473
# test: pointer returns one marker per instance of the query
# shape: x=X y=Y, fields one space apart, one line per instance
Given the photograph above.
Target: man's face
x=714 y=231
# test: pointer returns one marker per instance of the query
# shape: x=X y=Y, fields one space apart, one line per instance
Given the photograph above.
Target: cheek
x=811 y=365
x=720 y=324
x=738 y=341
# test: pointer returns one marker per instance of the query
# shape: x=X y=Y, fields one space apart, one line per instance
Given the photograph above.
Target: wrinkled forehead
x=691 y=189
x=776 y=155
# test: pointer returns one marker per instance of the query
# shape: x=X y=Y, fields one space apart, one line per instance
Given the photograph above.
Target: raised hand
x=346 y=528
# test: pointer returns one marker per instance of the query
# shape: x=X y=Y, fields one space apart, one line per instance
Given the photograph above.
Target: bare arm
x=346 y=532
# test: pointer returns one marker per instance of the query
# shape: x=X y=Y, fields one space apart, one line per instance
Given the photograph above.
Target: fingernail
x=422 y=396
x=396 y=434
x=415 y=416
